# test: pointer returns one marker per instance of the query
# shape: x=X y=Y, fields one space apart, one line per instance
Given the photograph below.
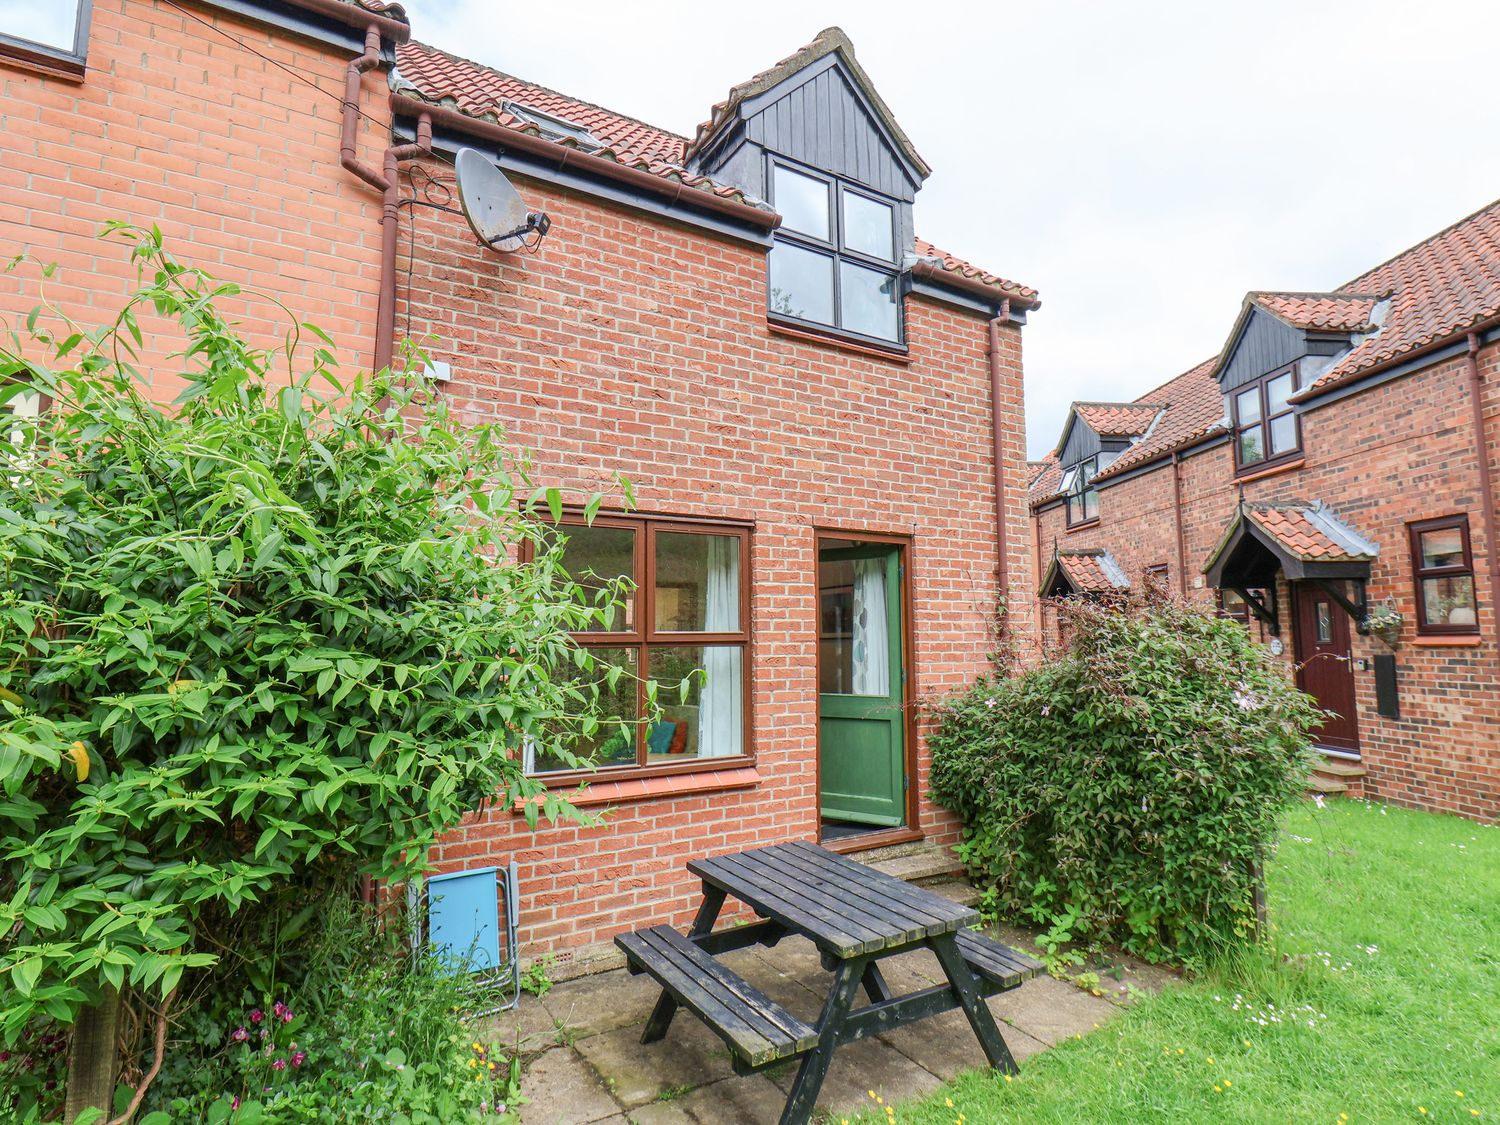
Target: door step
x=1336 y=775
x=1339 y=767
x=918 y=862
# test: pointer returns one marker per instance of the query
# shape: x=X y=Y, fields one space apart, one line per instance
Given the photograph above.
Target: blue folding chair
x=471 y=922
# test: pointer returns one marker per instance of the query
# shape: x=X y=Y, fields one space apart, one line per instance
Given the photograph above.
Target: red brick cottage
x=1331 y=468
x=809 y=413
x=820 y=413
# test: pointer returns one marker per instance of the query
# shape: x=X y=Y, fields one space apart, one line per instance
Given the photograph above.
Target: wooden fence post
x=93 y=1058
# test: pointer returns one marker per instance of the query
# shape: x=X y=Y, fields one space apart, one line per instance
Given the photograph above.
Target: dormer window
x=1266 y=430
x=1078 y=487
x=834 y=261
x=553 y=127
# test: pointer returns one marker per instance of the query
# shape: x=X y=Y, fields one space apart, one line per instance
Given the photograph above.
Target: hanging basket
x=1384 y=621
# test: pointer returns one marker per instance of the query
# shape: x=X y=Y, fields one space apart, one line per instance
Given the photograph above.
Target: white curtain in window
x=721 y=709
x=872 y=665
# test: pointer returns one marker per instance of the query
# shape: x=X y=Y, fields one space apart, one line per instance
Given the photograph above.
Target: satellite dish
x=495 y=210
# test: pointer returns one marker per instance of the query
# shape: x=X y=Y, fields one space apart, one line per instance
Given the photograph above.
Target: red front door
x=1324 y=669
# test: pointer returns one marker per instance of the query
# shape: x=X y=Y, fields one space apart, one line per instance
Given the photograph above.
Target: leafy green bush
x=366 y=1033
x=1122 y=790
x=253 y=646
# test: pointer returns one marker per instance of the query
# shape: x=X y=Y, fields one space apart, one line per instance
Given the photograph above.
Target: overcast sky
x=1143 y=165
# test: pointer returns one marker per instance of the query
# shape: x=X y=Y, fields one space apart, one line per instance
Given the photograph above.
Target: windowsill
x=1084 y=526
x=69 y=68
x=1456 y=640
x=613 y=791
x=832 y=337
x=1245 y=477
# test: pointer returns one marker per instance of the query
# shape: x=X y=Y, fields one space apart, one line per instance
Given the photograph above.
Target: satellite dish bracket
x=535 y=221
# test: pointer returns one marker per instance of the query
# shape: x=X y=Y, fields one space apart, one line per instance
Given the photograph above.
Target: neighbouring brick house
x=1334 y=461
x=820 y=413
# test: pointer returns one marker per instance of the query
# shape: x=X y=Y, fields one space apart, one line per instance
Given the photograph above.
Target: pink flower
x=240 y=1035
x=256 y=1015
x=286 y=1016
x=279 y=1064
x=299 y=1058
x=235 y=1104
x=278 y=1009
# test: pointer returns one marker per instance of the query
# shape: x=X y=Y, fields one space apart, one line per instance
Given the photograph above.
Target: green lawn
x=1390 y=1004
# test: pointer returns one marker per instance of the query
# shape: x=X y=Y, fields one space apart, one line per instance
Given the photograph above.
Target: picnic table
x=856 y=916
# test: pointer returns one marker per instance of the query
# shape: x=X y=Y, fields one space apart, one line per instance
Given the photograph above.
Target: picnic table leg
x=980 y=1019
x=804 y=1096
x=875 y=987
x=666 y=1004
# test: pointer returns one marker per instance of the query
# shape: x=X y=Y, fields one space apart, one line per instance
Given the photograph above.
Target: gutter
x=385 y=180
x=1407 y=362
x=360 y=18
x=1486 y=482
x=928 y=271
x=673 y=191
x=997 y=437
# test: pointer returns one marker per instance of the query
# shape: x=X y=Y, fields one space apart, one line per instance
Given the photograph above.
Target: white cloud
x=1142 y=165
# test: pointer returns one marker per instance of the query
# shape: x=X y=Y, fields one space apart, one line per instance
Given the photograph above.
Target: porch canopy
x=1306 y=542
x=1092 y=571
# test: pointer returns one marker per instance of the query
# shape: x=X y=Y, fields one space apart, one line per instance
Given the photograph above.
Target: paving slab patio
x=585 y=1063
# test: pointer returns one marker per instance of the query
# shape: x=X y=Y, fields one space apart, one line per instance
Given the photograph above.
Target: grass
x=1384 y=973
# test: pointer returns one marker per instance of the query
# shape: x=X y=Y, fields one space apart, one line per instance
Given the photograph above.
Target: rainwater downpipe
x=997 y=381
x=1486 y=482
x=385 y=180
x=1177 y=515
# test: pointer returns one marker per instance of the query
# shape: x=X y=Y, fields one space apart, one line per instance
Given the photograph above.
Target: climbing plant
x=258 y=643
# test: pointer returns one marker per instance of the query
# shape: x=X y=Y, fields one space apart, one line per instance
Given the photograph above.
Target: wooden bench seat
x=756 y=1029
x=1000 y=965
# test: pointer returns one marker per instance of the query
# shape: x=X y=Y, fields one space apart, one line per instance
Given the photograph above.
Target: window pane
x=697 y=582
x=1283 y=433
x=869 y=298
x=710 y=721
x=802 y=203
x=53 y=24
x=868 y=226
x=801 y=283
x=1251 y=448
x=1090 y=504
x=611 y=745
x=1449 y=601
x=1444 y=547
x=854 y=624
x=595 y=556
x=1247 y=405
x=1278 y=390
x=1325 y=623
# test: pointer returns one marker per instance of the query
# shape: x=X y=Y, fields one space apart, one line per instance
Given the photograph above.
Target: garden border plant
x=254 y=646
x=1122 y=790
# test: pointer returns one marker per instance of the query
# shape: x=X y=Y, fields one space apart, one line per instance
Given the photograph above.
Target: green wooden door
x=861 y=724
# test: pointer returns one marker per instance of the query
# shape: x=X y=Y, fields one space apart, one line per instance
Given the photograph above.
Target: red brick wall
x=632 y=345
x=1396 y=453
x=235 y=160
